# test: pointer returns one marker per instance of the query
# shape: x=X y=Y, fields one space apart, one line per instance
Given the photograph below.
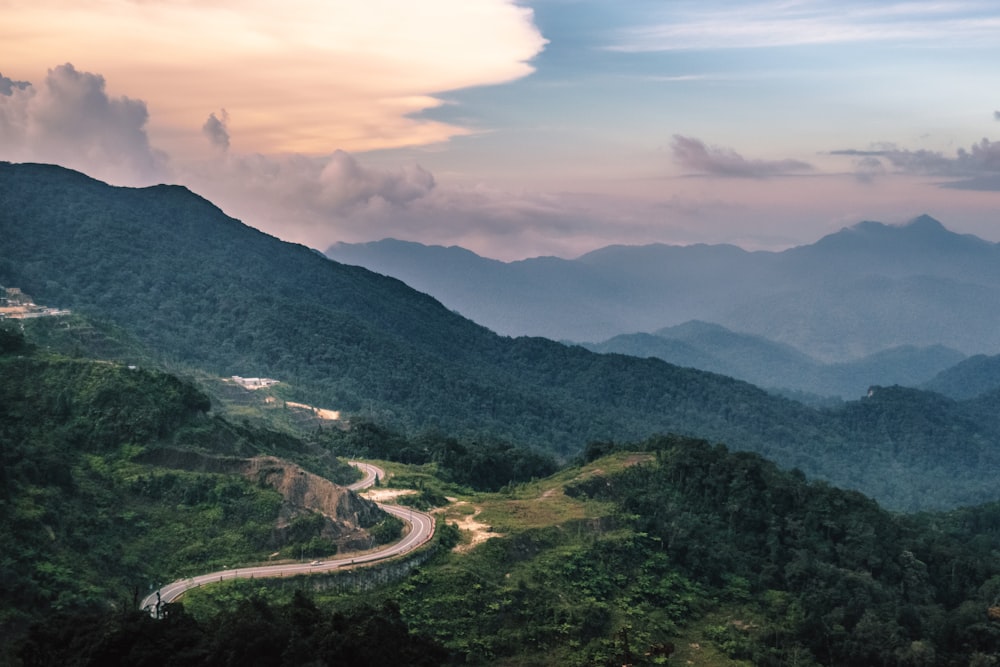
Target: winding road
x=421 y=530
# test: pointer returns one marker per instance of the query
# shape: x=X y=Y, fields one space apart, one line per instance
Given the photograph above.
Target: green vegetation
x=483 y=465
x=254 y=633
x=674 y=549
x=691 y=543
x=86 y=516
x=640 y=551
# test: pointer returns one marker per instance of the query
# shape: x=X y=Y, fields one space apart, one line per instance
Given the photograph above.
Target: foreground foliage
x=256 y=632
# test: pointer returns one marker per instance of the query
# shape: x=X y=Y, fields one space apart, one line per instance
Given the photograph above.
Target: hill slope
x=114 y=476
x=202 y=289
x=972 y=377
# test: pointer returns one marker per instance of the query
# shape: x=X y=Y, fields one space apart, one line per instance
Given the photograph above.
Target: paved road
x=421 y=530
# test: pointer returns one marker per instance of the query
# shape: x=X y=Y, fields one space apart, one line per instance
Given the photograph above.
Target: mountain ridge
x=904 y=275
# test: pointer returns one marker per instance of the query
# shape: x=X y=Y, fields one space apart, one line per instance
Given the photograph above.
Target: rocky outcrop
x=303 y=490
x=347 y=514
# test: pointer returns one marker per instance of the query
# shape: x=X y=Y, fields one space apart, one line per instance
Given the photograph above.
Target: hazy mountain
x=864 y=289
x=970 y=378
x=773 y=365
x=201 y=289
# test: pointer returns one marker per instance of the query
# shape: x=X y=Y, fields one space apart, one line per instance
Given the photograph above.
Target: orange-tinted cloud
x=307 y=76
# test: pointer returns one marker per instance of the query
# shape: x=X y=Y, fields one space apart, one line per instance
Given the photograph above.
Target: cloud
x=694 y=155
x=996 y=115
x=302 y=76
x=347 y=184
x=216 y=131
x=8 y=86
x=868 y=168
x=71 y=120
x=775 y=24
x=306 y=199
x=977 y=168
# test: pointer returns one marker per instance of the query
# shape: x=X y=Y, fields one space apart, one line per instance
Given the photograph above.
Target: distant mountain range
x=862 y=290
x=202 y=290
x=771 y=365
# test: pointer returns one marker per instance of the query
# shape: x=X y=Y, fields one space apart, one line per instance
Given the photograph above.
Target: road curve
x=421 y=531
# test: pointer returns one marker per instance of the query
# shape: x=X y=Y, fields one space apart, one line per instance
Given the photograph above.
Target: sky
x=519 y=129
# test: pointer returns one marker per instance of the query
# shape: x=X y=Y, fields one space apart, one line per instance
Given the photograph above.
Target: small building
x=254 y=383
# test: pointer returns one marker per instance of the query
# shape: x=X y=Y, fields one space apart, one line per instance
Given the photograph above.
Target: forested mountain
x=764 y=363
x=859 y=291
x=972 y=377
x=113 y=477
x=201 y=289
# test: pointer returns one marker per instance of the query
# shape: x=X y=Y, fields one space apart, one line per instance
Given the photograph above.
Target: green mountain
x=204 y=291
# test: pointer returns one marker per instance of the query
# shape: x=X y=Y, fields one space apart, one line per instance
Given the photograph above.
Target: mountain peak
x=920 y=230
x=925 y=223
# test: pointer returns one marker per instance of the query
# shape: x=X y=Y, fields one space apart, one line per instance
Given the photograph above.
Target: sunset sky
x=521 y=128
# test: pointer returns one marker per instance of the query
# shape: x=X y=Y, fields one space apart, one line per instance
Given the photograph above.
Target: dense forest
x=201 y=290
x=659 y=545
x=86 y=518
x=694 y=551
x=254 y=633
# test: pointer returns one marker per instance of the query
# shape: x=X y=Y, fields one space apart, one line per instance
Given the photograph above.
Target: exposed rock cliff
x=348 y=516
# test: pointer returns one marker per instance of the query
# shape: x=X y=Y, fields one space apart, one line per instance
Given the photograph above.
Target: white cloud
x=306 y=199
x=709 y=25
x=975 y=168
x=215 y=128
x=694 y=155
x=71 y=120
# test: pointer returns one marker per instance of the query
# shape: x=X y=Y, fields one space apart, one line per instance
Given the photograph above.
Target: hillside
x=114 y=477
x=201 y=290
x=972 y=377
x=668 y=551
x=772 y=365
x=862 y=290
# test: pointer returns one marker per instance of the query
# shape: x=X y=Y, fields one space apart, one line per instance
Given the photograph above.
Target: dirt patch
x=478 y=532
x=329 y=415
x=382 y=495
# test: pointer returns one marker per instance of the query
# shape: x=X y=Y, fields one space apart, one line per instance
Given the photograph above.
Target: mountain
x=859 y=291
x=975 y=376
x=764 y=363
x=201 y=290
